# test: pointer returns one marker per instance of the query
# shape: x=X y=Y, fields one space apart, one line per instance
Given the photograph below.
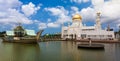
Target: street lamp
x=119 y=33
x=119 y=29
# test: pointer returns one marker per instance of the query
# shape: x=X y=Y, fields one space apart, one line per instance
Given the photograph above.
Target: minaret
x=108 y=27
x=98 y=23
x=62 y=33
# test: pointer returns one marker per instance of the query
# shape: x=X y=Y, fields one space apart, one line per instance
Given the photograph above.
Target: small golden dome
x=19 y=28
x=76 y=17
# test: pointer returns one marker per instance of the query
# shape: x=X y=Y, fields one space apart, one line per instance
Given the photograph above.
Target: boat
x=90 y=45
x=20 y=35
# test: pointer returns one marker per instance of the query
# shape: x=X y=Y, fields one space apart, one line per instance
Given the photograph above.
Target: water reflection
x=56 y=51
x=19 y=52
x=81 y=54
x=112 y=52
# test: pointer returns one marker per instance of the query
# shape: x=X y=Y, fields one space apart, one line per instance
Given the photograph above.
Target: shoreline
x=99 y=41
x=93 y=41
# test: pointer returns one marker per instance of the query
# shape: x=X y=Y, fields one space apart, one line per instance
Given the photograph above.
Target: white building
x=78 y=31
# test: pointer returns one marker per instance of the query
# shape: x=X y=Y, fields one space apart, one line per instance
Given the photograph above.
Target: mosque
x=79 y=31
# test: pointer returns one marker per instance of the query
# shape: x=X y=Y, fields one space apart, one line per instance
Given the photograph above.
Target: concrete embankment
x=93 y=41
x=99 y=41
x=53 y=39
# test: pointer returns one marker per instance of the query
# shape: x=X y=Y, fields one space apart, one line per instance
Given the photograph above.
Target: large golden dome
x=77 y=17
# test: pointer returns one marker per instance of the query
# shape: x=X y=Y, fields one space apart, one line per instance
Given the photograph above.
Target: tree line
x=2 y=33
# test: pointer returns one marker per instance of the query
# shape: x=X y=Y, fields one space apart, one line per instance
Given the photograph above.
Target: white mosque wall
x=78 y=31
x=94 y=34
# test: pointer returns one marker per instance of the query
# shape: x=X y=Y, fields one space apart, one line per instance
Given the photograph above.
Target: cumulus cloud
x=61 y=13
x=13 y=16
x=109 y=11
x=80 y=1
x=74 y=9
x=42 y=25
x=6 y=4
x=29 y=9
x=49 y=20
x=98 y=2
x=77 y=1
x=86 y=1
x=53 y=25
x=10 y=14
x=88 y=14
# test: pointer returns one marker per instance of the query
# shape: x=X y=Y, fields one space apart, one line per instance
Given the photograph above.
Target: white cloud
x=76 y=1
x=10 y=14
x=53 y=25
x=6 y=4
x=61 y=13
x=98 y=2
x=57 y=10
x=29 y=9
x=88 y=14
x=75 y=9
x=49 y=20
x=86 y=1
x=80 y=1
x=13 y=16
x=42 y=25
x=109 y=10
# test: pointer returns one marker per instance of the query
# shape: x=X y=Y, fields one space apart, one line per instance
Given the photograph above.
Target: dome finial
x=98 y=13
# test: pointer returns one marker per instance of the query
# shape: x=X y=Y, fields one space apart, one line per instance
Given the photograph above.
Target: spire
x=98 y=23
x=108 y=27
x=98 y=14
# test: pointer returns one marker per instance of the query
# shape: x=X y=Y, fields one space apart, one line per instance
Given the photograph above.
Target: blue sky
x=50 y=14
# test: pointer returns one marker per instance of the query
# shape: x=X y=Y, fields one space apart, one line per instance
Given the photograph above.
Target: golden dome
x=76 y=17
x=19 y=28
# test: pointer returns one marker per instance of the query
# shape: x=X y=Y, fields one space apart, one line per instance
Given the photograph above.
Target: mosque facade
x=79 y=31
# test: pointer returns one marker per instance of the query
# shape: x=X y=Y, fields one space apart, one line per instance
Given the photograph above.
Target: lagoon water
x=56 y=51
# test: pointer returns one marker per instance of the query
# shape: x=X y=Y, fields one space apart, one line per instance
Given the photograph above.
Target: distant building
x=79 y=31
x=21 y=35
x=19 y=31
x=117 y=35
